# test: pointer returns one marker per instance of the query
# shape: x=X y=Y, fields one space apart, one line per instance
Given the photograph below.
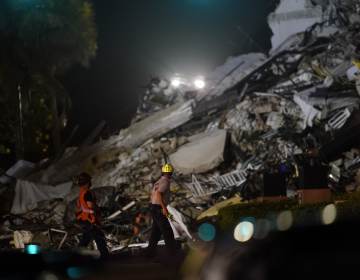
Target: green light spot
x=76 y=272
x=32 y=249
x=207 y=232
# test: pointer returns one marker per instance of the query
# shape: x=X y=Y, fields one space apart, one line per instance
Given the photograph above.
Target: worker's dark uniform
x=160 y=225
x=89 y=223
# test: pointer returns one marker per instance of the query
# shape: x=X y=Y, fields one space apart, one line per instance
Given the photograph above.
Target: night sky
x=139 y=39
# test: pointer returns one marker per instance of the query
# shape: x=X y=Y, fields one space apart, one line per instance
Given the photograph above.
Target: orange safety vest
x=84 y=213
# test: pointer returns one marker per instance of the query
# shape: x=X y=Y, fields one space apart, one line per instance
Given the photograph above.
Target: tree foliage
x=61 y=33
x=40 y=39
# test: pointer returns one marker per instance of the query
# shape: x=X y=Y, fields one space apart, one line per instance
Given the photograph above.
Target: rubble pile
x=259 y=113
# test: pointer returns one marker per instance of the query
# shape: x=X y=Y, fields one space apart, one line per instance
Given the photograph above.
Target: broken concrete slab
x=204 y=152
x=232 y=72
x=158 y=124
x=292 y=17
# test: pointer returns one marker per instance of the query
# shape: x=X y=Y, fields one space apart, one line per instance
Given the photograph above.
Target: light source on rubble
x=199 y=83
x=175 y=82
x=32 y=249
x=244 y=231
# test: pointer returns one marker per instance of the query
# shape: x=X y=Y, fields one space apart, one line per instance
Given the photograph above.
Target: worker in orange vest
x=86 y=216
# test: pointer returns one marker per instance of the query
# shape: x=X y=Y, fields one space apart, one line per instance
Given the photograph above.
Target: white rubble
x=158 y=124
x=292 y=17
x=233 y=71
x=29 y=194
x=22 y=237
x=204 y=152
x=19 y=170
x=310 y=114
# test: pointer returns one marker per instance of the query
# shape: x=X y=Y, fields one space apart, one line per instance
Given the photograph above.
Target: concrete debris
x=21 y=238
x=292 y=112
x=158 y=124
x=203 y=153
x=275 y=120
x=309 y=112
x=292 y=17
x=232 y=72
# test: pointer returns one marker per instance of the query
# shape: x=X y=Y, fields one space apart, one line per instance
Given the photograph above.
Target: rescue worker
x=160 y=198
x=87 y=216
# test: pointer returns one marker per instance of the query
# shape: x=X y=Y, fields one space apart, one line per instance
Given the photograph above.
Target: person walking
x=160 y=198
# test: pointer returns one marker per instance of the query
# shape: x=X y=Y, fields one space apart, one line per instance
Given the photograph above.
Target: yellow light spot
x=284 y=221
x=329 y=214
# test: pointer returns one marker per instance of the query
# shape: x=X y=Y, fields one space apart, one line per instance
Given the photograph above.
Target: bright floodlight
x=199 y=84
x=175 y=83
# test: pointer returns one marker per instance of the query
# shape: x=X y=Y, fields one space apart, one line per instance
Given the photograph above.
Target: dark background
x=139 y=39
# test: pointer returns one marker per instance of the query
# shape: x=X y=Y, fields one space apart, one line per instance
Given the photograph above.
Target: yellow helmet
x=167 y=168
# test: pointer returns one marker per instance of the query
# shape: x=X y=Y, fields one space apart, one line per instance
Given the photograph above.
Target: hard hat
x=84 y=179
x=167 y=168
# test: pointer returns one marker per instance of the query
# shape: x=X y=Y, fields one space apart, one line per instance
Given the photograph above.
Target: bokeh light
x=329 y=214
x=207 y=232
x=262 y=228
x=32 y=249
x=284 y=220
x=76 y=272
x=46 y=275
x=244 y=231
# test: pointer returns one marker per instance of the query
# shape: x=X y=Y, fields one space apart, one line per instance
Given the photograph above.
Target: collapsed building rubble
x=203 y=152
x=260 y=113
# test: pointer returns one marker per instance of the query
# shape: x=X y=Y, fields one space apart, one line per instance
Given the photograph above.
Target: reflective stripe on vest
x=85 y=213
